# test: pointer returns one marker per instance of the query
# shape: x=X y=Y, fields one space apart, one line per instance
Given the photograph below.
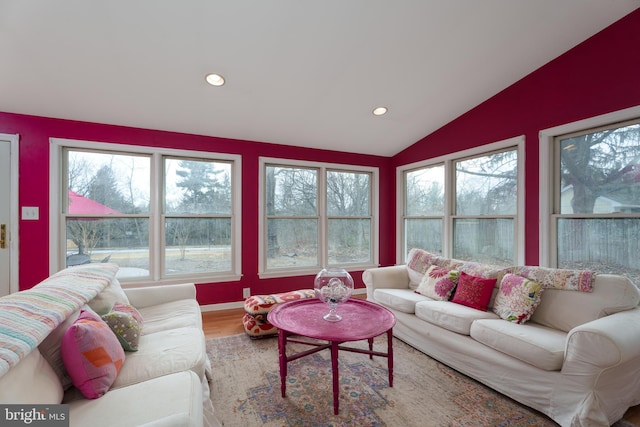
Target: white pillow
x=438 y=283
x=105 y=300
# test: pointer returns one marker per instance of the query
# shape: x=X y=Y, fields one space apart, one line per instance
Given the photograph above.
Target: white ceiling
x=304 y=73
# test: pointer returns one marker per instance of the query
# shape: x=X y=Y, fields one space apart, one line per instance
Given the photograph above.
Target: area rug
x=246 y=390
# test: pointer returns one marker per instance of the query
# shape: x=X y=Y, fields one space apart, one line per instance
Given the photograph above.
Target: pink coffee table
x=360 y=320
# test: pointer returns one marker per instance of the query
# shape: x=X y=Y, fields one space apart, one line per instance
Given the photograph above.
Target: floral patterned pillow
x=438 y=283
x=517 y=298
x=418 y=261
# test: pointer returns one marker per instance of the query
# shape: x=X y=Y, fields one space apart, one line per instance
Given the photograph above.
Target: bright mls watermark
x=34 y=415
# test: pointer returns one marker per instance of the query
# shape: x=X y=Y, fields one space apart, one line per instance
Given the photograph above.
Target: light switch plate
x=30 y=213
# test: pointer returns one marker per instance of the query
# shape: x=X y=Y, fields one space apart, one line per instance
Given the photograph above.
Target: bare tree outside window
x=292 y=217
x=197 y=216
x=597 y=201
x=107 y=207
x=315 y=215
x=486 y=208
x=108 y=213
x=349 y=217
x=424 y=209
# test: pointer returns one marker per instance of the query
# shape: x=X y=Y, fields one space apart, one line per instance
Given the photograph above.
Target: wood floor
x=229 y=322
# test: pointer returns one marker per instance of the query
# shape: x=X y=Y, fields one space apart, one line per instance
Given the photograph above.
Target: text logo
x=34 y=415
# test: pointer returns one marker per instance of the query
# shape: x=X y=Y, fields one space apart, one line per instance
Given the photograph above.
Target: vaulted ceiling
x=304 y=73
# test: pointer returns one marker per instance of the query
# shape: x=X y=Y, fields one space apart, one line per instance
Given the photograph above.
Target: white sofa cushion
x=454 y=317
x=537 y=345
x=169 y=400
x=403 y=300
x=564 y=310
x=163 y=353
x=31 y=381
x=171 y=315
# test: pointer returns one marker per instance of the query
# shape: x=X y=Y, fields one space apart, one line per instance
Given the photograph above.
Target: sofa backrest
x=564 y=309
x=560 y=309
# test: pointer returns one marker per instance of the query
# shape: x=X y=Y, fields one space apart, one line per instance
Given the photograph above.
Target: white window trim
x=547 y=230
x=57 y=247
x=375 y=188
x=448 y=160
x=14 y=191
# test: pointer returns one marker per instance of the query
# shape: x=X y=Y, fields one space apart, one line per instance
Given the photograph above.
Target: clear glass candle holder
x=333 y=286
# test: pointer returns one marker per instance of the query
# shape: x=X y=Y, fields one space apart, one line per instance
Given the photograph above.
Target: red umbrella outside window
x=82 y=205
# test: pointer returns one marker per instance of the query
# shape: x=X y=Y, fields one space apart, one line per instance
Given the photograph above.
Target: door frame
x=14 y=239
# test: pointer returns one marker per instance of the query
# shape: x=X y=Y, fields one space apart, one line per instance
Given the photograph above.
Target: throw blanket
x=553 y=278
x=556 y=278
x=27 y=317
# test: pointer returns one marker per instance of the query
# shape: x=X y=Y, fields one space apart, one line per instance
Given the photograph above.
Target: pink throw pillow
x=92 y=355
x=474 y=291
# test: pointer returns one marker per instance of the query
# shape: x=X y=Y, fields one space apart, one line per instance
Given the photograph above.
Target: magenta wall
x=34 y=191
x=598 y=76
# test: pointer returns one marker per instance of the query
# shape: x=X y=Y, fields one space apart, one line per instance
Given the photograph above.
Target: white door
x=8 y=214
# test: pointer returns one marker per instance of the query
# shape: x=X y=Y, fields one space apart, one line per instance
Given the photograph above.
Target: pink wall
x=598 y=76
x=34 y=191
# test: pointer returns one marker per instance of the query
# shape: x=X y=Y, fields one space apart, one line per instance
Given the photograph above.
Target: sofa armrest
x=603 y=343
x=154 y=295
x=395 y=277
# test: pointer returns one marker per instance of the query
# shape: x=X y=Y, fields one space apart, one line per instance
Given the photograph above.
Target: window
x=197 y=216
x=161 y=215
x=424 y=207
x=465 y=205
x=486 y=194
x=596 y=199
x=315 y=215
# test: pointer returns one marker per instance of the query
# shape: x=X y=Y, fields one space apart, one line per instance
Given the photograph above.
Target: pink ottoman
x=257 y=307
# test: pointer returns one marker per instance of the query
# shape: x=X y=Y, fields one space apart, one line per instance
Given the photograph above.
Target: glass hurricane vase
x=333 y=286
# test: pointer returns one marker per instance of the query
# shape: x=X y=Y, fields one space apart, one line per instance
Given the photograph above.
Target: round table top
x=360 y=319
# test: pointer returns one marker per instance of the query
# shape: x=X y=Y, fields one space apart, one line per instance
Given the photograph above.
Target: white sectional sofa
x=576 y=359
x=163 y=383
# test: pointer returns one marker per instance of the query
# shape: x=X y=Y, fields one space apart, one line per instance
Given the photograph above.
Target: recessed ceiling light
x=214 y=79
x=379 y=111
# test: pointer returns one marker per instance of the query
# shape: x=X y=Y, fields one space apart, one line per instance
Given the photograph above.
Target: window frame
x=549 y=164
x=449 y=216
x=156 y=215
x=402 y=194
x=323 y=217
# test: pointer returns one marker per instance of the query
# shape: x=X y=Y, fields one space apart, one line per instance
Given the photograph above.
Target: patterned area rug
x=246 y=390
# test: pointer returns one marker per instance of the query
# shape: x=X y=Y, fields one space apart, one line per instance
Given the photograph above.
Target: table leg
x=370 y=347
x=282 y=357
x=390 y=355
x=334 y=372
